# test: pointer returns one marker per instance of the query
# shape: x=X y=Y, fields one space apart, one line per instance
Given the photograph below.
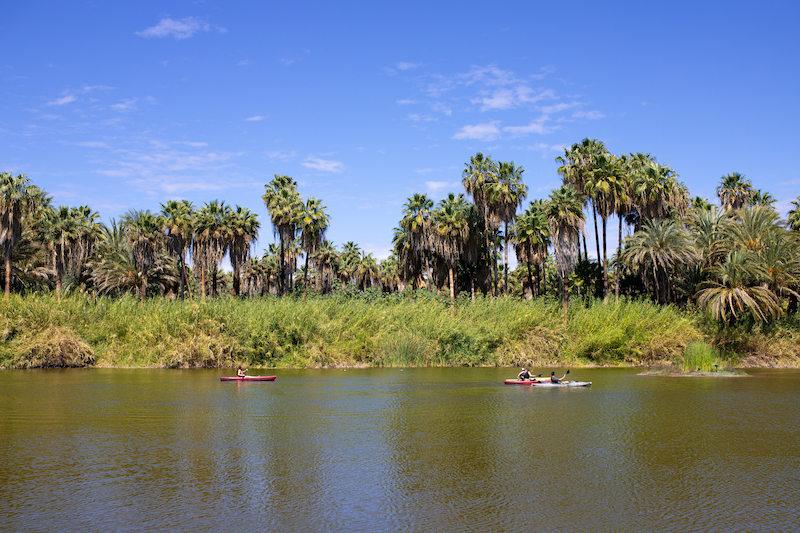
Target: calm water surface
x=423 y=450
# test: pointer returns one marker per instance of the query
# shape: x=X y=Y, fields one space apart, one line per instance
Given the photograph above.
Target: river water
x=417 y=450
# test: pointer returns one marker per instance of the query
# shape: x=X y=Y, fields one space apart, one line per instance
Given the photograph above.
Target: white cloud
x=63 y=100
x=180 y=29
x=437 y=188
x=537 y=126
x=325 y=165
x=406 y=102
x=514 y=97
x=589 y=115
x=282 y=156
x=126 y=105
x=482 y=132
x=255 y=118
x=92 y=144
x=557 y=108
x=407 y=66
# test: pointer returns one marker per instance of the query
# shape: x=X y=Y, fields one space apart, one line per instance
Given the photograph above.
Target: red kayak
x=525 y=381
x=248 y=378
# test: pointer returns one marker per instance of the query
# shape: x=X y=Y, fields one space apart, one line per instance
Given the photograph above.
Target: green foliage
x=700 y=357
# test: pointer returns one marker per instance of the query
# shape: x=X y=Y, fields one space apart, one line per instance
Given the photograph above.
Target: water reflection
x=390 y=449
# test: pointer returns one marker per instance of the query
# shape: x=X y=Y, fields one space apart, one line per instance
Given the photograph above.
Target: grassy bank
x=342 y=331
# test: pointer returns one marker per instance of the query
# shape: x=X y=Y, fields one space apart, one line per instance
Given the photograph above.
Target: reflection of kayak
x=544 y=382
x=248 y=378
x=563 y=384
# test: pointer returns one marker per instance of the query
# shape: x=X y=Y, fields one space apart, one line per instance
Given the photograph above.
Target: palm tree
x=793 y=221
x=506 y=195
x=656 y=251
x=348 y=262
x=243 y=228
x=578 y=165
x=178 y=219
x=734 y=191
x=325 y=259
x=367 y=271
x=211 y=241
x=708 y=228
x=450 y=230
x=283 y=203
x=417 y=221
x=565 y=218
x=532 y=237
x=313 y=223
x=477 y=178
x=654 y=190
x=735 y=290
x=142 y=230
x=17 y=200
x=607 y=189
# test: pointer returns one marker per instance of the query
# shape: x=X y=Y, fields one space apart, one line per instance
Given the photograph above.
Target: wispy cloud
x=282 y=156
x=482 y=132
x=407 y=66
x=406 y=102
x=438 y=188
x=63 y=100
x=180 y=29
x=507 y=98
x=325 y=165
x=255 y=118
x=536 y=126
x=126 y=105
x=589 y=115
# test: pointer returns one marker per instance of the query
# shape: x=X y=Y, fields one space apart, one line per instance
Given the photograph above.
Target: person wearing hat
x=525 y=375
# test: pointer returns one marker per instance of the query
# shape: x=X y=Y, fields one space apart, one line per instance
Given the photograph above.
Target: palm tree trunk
x=619 y=263
x=305 y=278
x=505 y=262
x=283 y=270
x=596 y=236
x=8 y=273
x=203 y=282
x=494 y=264
x=530 y=281
x=183 y=274
x=472 y=283
x=585 y=249
x=452 y=284
x=605 y=261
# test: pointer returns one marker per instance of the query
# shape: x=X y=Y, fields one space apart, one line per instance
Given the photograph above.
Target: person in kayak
x=525 y=375
x=241 y=373
x=554 y=379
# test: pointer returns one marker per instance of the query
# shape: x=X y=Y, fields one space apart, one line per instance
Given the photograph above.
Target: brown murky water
x=422 y=450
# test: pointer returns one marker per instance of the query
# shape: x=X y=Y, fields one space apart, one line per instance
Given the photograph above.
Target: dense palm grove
x=737 y=261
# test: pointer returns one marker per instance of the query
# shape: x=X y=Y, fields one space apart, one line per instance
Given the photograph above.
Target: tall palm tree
x=313 y=223
x=480 y=173
x=142 y=230
x=178 y=219
x=565 y=218
x=418 y=222
x=506 y=195
x=349 y=260
x=793 y=221
x=367 y=272
x=578 y=165
x=734 y=191
x=243 y=228
x=607 y=189
x=325 y=258
x=17 y=200
x=283 y=204
x=532 y=237
x=450 y=230
x=211 y=241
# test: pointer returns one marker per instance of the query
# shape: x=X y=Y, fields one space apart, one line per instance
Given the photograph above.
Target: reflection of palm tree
x=243 y=226
x=564 y=212
x=734 y=191
x=313 y=222
x=178 y=220
x=17 y=200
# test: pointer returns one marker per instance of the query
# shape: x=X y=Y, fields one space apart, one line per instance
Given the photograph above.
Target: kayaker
x=554 y=379
x=241 y=373
x=525 y=375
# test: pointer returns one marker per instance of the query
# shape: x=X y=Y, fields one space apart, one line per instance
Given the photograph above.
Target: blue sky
x=125 y=105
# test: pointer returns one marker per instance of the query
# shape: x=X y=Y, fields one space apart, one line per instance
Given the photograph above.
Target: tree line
x=737 y=261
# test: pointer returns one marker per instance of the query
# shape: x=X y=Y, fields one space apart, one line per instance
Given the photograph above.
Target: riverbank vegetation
x=363 y=329
x=687 y=272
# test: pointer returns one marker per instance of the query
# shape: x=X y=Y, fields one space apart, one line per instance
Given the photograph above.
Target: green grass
x=341 y=330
